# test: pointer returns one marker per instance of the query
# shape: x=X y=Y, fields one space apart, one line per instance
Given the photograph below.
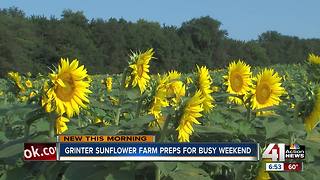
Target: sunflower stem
x=247 y=106
x=160 y=129
x=164 y=129
x=117 y=118
x=144 y=95
x=122 y=87
x=138 y=108
x=121 y=98
x=26 y=130
x=52 y=120
x=79 y=122
x=123 y=78
x=157 y=173
x=162 y=139
x=248 y=113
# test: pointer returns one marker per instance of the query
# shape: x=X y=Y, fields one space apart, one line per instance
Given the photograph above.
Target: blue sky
x=243 y=19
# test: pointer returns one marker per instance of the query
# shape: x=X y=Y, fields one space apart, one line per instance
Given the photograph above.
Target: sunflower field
x=240 y=103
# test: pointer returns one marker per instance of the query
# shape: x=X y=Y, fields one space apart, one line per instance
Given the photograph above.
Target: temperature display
x=297 y=166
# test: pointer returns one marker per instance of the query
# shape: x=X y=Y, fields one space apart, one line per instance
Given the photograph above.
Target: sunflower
x=314 y=59
x=158 y=122
x=215 y=89
x=204 y=85
x=267 y=90
x=176 y=90
x=160 y=98
x=70 y=90
x=266 y=113
x=17 y=79
x=61 y=125
x=32 y=94
x=21 y=87
x=114 y=100
x=173 y=75
x=238 y=80
x=159 y=102
x=189 y=80
x=14 y=76
x=127 y=81
x=101 y=122
x=98 y=120
x=313 y=118
x=109 y=84
x=29 y=74
x=46 y=98
x=45 y=86
x=191 y=111
x=23 y=98
x=168 y=92
x=28 y=84
x=174 y=87
x=140 y=69
x=89 y=78
x=46 y=103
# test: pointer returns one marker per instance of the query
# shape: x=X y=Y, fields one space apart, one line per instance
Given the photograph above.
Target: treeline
x=35 y=43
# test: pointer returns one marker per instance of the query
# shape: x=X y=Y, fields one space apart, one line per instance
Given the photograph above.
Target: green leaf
x=18 y=109
x=227 y=164
x=35 y=115
x=120 y=175
x=53 y=170
x=274 y=128
x=133 y=93
x=41 y=125
x=96 y=104
x=110 y=130
x=18 y=173
x=72 y=130
x=41 y=177
x=3 y=175
x=186 y=171
x=216 y=117
x=3 y=137
x=166 y=167
x=211 y=129
x=42 y=138
x=137 y=122
x=240 y=169
x=246 y=128
x=12 y=150
x=291 y=175
x=310 y=171
x=85 y=170
x=313 y=136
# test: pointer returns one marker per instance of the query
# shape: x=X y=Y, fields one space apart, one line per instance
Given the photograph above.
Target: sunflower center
x=263 y=93
x=65 y=93
x=140 y=70
x=236 y=82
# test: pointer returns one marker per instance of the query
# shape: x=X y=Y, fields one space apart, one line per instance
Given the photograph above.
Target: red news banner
x=40 y=152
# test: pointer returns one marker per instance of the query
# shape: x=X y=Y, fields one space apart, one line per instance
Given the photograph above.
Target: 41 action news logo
x=281 y=152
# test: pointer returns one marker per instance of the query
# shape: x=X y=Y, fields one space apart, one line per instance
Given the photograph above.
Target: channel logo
x=294 y=146
x=275 y=152
x=281 y=152
x=295 y=151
